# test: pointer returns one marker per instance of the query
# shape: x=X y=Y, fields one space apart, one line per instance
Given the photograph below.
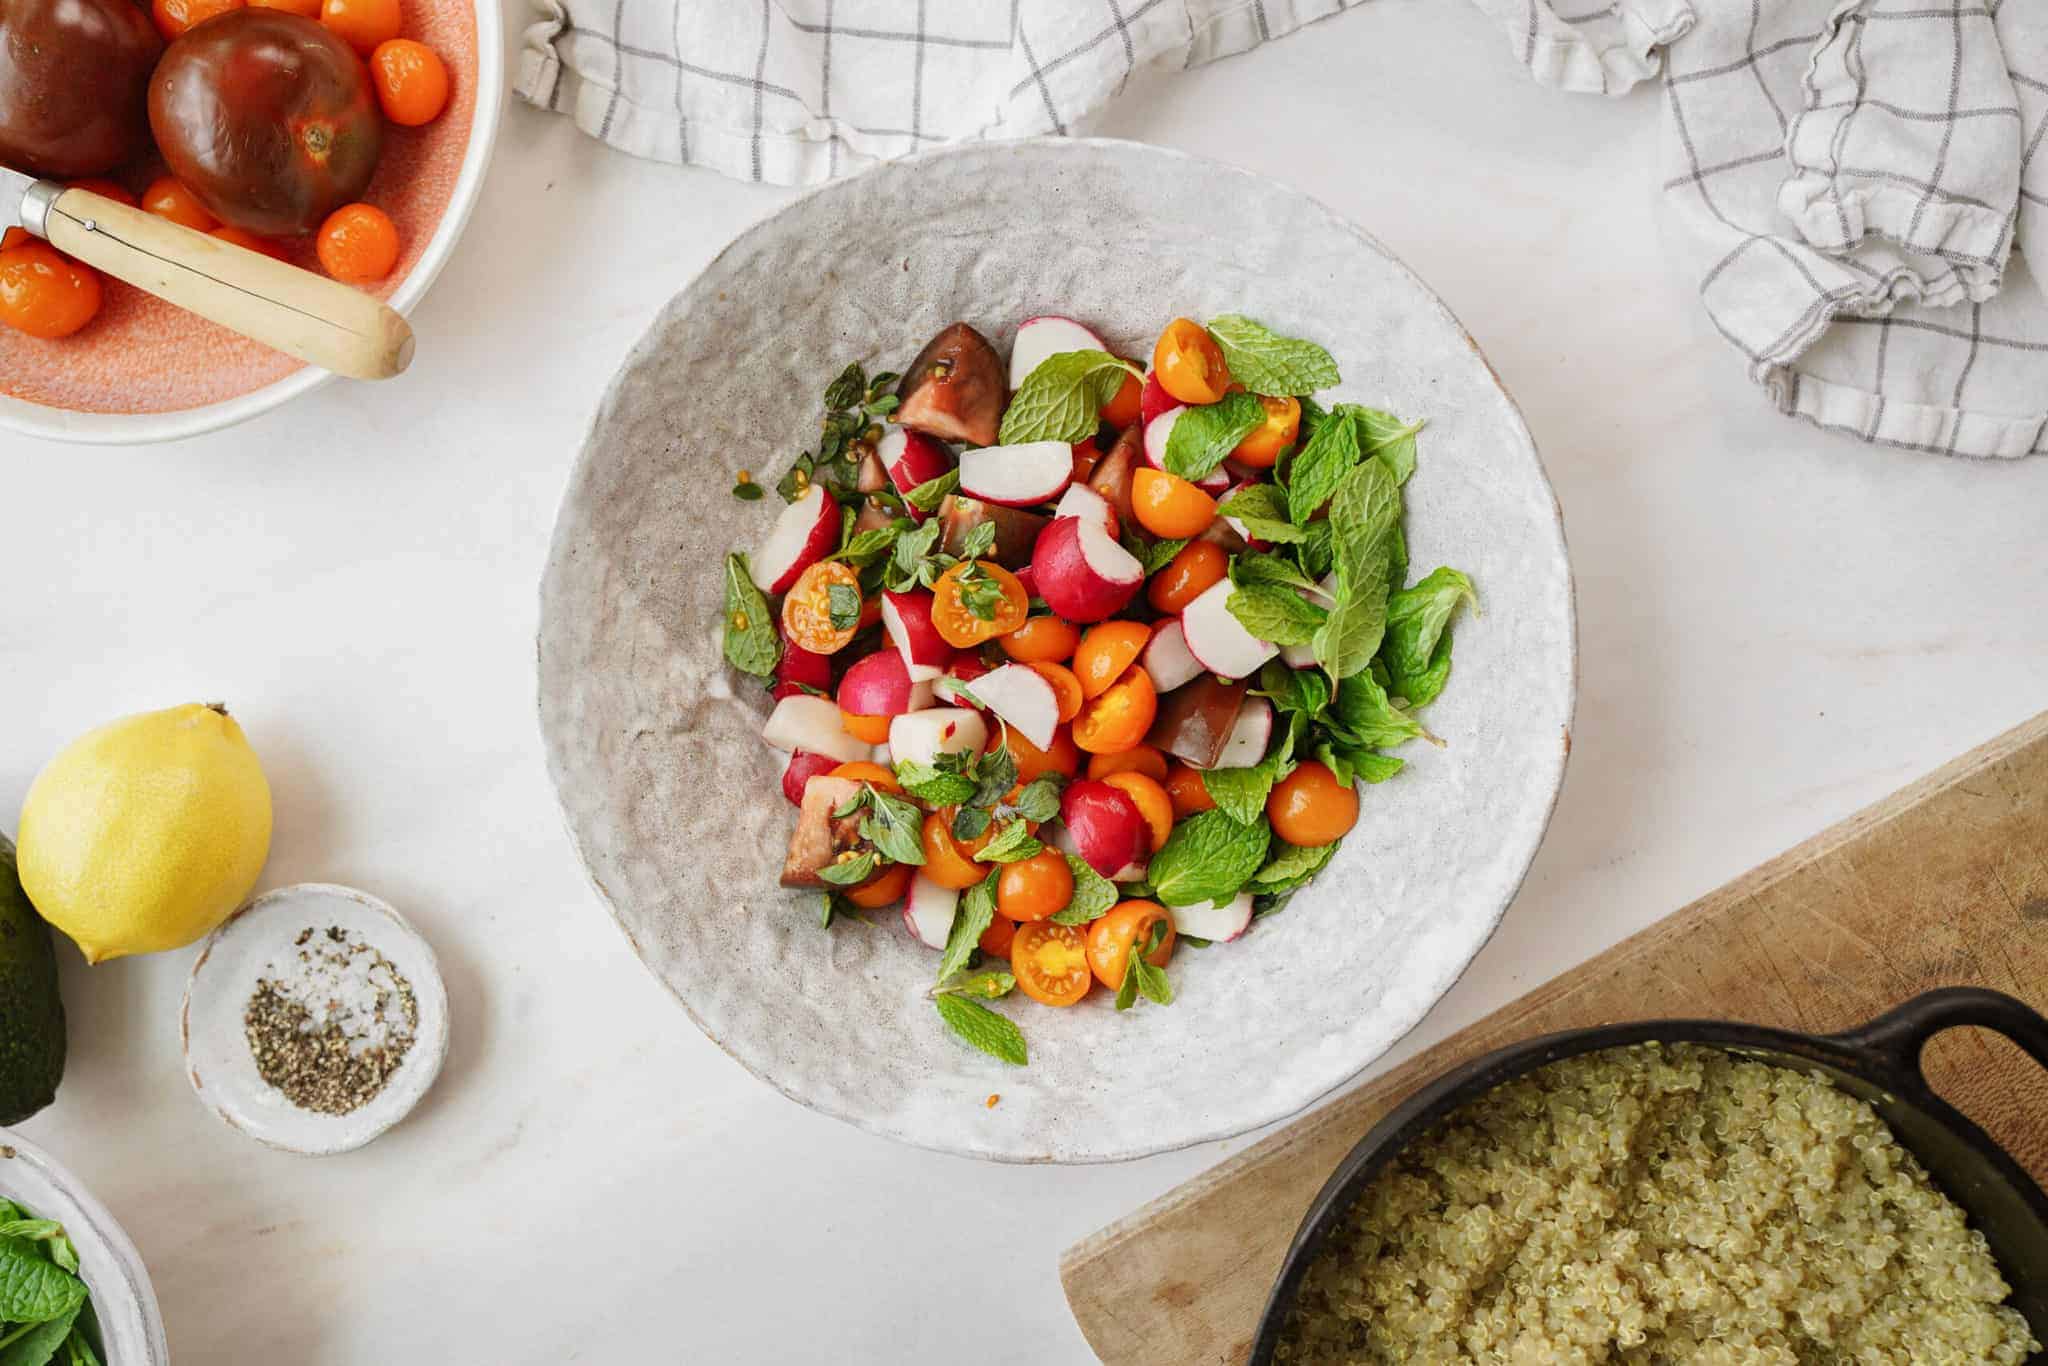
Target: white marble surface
x=1777 y=627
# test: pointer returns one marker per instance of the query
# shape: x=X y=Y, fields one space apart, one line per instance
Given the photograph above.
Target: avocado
x=31 y=1011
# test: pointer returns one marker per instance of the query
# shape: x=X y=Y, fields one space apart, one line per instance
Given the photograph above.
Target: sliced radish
x=1107 y=830
x=1130 y=872
x=806 y=532
x=955 y=687
x=1216 y=921
x=876 y=685
x=1153 y=399
x=1298 y=656
x=1018 y=476
x=812 y=723
x=1168 y=660
x=1082 y=574
x=1039 y=338
x=1081 y=501
x=880 y=755
x=1022 y=697
x=1249 y=736
x=1156 y=433
x=920 y=737
x=799 y=669
x=907 y=617
x=912 y=458
x=928 y=912
x=804 y=766
x=1218 y=639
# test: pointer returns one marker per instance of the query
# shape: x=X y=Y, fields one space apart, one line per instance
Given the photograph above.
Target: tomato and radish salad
x=1078 y=661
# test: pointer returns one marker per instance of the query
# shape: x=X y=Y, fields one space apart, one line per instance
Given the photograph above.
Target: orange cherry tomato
x=1061 y=757
x=305 y=9
x=861 y=771
x=977 y=600
x=1199 y=567
x=362 y=24
x=1106 y=651
x=44 y=292
x=873 y=729
x=1168 y=506
x=1121 y=411
x=248 y=241
x=1041 y=639
x=1117 y=718
x=948 y=861
x=1050 y=961
x=881 y=889
x=1283 y=423
x=807 y=609
x=167 y=198
x=174 y=17
x=1152 y=801
x=411 y=80
x=1309 y=806
x=1066 y=689
x=1138 y=759
x=995 y=940
x=1034 y=888
x=1112 y=936
x=358 y=244
x=14 y=237
x=1190 y=794
x=1189 y=364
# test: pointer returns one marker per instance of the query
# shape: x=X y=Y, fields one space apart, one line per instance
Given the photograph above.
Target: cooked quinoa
x=1656 y=1204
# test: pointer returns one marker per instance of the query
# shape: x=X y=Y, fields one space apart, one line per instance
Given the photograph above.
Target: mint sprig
x=1208 y=857
x=995 y=1035
x=1013 y=843
x=1061 y=400
x=1262 y=510
x=1143 y=978
x=1267 y=363
x=1204 y=436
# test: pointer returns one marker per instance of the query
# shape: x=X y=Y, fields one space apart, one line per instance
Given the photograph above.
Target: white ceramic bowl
x=122 y=1298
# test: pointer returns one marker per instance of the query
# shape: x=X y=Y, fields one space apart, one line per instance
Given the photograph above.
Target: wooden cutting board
x=1943 y=883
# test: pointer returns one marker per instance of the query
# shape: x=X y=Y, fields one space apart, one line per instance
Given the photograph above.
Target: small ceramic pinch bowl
x=253 y=943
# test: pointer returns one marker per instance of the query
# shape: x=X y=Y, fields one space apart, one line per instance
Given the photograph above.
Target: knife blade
x=25 y=201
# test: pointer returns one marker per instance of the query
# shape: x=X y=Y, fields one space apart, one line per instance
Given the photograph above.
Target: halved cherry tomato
x=995 y=940
x=881 y=889
x=1121 y=411
x=1309 y=806
x=1041 y=638
x=362 y=24
x=1061 y=757
x=168 y=198
x=1198 y=567
x=1283 y=423
x=1168 y=505
x=1117 y=718
x=1152 y=802
x=411 y=81
x=948 y=861
x=1034 y=888
x=1111 y=937
x=1050 y=961
x=1139 y=759
x=861 y=771
x=1066 y=689
x=248 y=241
x=873 y=729
x=1189 y=364
x=44 y=292
x=977 y=600
x=807 y=610
x=1190 y=794
x=1106 y=651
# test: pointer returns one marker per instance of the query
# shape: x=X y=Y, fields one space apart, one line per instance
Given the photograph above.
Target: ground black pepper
x=330 y=1025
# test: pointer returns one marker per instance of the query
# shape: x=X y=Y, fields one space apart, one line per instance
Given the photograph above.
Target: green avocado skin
x=31 y=1011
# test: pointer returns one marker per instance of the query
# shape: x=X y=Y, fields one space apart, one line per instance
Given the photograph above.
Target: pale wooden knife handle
x=321 y=321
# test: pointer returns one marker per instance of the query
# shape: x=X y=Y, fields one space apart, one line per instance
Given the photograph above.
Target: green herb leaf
x=893 y=827
x=1387 y=438
x=37 y=1344
x=910 y=555
x=927 y=496
x=848 y=389
x=976 y=912
x=752 y=643
x=995 y=773
x=1416 y=618
x=1203 y=436
x=1242 y=792
x=970 y=821
x=1152 y=982
x=1062 y=399
x=1346 y=641
x=31 y=1230
x=854 y=803
x=980 y=592
x=77 y=1347
x=987 y=986
x=1370 y=716
x=1267 y=363
x=1040 y=799
x=1253 y=567
x=33 y=1290
x=1208 y=857
x=1093 y=895
x=866 y=547
x=944 y=783
x=1279 y=616
x=1262 y=510
x=859 y=868
x=1320 y=467
x=1153 y=555
x=796 y=480
x=835 y=905
x=1350 y=763
x=747 y=491
x=1012 y=843
x=1421 y=689
x=1289 y=862
x=1141 y=976
x=1294 y=690
x=1317 y=550
x=843 y=608
x=979 y=541
x=1365 y=513
x=1127 y=993
x=993 y=1034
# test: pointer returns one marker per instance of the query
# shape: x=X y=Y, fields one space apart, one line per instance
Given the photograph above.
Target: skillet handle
x=1899 y=1035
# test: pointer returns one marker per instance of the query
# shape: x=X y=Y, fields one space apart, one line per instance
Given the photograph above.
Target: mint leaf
x=995 y=773
x=1421 y=689
x=1040 y=799
x=1370 y=716
x=944 y=783
x=1416 y=618
x=78 y=1347
x=1279 y=616
x=747 y=491
x=1205 y=434
x=1127 y=992
x=979 y=541
x=1346 y=641
x=846 y=390
x=993 y=1034
x=987 y=986
x=1292 y=864
x=927 y=496
x=970 y=821
x=1317 y=550
x=1350 y=763
x=1320 y=467
x=1242 y=792
x=33 y=1290
x=1153 y=555
x=1365 y=515
x=752 y=643
x=38 y=1344
x=1267 y=363
x=1012 y=843
x=1294 y=690
x=1386 y=437
x=843 y=606
x=1094 y=894
x=1252 y=567
x=1261 y=509
x=857 y=869
x=1062 y=399
x=1152 y=983
x=31 y=1230
x=1141 y=976
x=893 y=827
x=910 y=552
x=796 y=480
x=1208 y=857
x=976 y=912
x=866 y=547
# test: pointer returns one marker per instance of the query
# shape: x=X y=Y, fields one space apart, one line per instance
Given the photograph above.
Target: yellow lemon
x=144 y=834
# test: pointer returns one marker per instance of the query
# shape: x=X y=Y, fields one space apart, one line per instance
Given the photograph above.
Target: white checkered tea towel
x=1857 y=186
x=796 y=92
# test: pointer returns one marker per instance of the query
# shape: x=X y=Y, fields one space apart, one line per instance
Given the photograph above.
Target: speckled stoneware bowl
x=673 y=800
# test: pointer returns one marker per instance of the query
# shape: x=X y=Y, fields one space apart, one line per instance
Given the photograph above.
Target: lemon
x=144 y=834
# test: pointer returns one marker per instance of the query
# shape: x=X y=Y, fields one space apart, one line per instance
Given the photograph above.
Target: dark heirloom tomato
x=269 y=118
x=74 y=76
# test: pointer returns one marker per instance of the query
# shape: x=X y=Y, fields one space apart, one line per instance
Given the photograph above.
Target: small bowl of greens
x=73 y=1290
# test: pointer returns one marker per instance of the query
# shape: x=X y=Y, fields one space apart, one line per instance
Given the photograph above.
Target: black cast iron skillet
x=1879 y=1063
